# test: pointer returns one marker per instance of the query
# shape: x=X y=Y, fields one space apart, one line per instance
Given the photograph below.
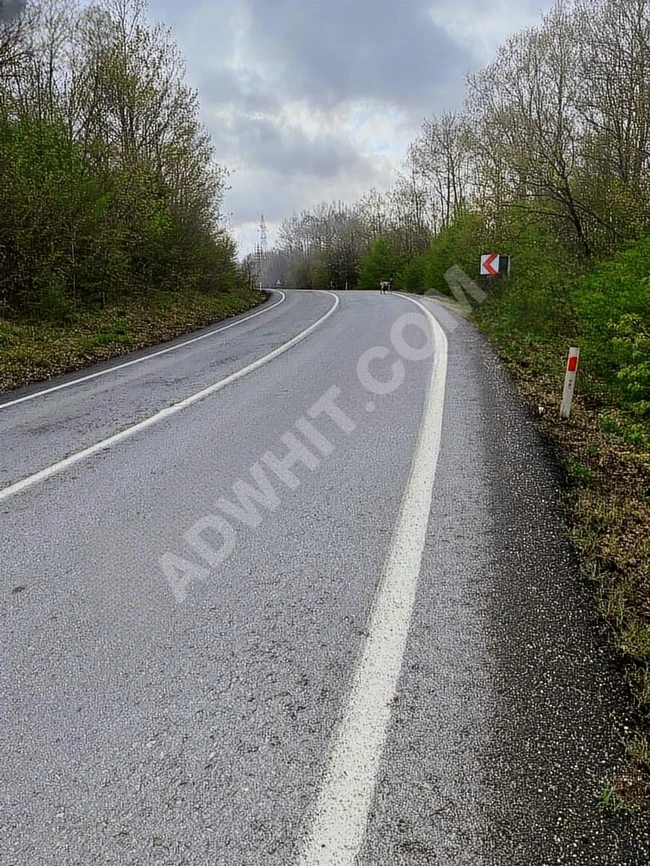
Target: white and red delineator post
x=570 y=382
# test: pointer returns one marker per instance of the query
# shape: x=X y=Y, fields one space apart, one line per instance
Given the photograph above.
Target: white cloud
x=480 y=26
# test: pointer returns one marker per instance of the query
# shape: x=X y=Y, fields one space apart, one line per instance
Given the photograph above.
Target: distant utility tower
x=261 y=251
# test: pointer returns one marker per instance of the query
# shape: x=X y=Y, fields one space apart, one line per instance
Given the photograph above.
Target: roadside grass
x=32 y=351
x=623 y=795
x=605 y=454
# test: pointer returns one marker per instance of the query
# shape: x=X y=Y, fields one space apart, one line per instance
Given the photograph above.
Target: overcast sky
x=314 y=100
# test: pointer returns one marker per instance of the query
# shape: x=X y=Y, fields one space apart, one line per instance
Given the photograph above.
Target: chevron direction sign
x=494 y=265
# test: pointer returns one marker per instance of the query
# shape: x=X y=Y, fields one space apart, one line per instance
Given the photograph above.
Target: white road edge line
x=147 y=357
x=334 y=828
x=174 y=409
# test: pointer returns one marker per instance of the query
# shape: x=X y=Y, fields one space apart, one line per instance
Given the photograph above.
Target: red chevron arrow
x=488 y=265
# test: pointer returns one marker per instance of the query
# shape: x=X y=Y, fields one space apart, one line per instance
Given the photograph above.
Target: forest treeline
x=548 y=162
x=108 y=184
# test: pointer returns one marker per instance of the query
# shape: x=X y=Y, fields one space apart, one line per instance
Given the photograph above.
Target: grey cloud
x=243 y=88
x=265 y=192
x=278 y=196
x=251 y=58
x=10 y=9
x=356 y=49
x=266 y=145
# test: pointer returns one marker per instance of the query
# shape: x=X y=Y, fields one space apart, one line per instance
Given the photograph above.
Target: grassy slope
x=34 y=351
x=605 y=452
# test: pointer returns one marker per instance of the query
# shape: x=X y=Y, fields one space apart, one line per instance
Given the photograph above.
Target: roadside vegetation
x=548 y=162
x=110 y=196
x=34 y=350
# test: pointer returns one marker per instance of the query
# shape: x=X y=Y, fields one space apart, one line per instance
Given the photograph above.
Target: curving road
x=297 y=591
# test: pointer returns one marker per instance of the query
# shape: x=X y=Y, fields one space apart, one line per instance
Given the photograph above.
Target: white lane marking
x=148 y=357
x=55 y=468
x=334 y=828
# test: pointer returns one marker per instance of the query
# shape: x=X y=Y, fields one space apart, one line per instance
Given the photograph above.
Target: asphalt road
x=255 y=611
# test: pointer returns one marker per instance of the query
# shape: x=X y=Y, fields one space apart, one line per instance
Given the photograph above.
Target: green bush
x=379 y=263
x=457 y=244
x=612 y=305
x=412 y=276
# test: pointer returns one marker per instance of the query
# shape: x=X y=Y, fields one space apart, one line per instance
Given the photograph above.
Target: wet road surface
x=298 y=592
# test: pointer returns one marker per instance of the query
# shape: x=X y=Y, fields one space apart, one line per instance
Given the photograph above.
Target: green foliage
x=633 y=337
x=580 y=474
x=533 y=305
x=115 y=193
x=551 y=300
x=116 y=334
x=379 y=263
x=412 y=276
x=301 y=275
x=612 y=304
x=456 y=244
x=34 y=350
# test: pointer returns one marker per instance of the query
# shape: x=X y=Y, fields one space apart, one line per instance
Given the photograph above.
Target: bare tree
x=525 y=105
x=439 y=157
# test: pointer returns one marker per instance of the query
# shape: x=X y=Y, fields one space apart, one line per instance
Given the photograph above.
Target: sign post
x=494 y=265
x=490 y=265
x=570 y=382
